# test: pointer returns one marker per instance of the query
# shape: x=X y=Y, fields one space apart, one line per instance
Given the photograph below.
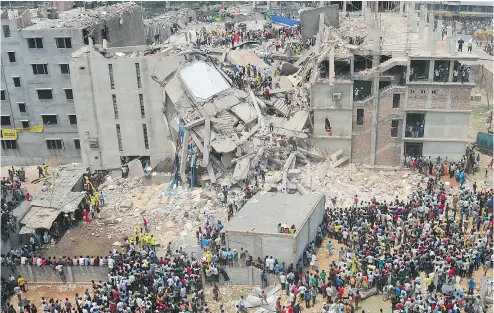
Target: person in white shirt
x=38 y=262
x=282 y=281
x=313 y=262
x=111 y=263
x=23 y=260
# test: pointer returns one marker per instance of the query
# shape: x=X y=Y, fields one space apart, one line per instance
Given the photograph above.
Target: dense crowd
x=410 y=250
x=437 y=168
x=238 y=34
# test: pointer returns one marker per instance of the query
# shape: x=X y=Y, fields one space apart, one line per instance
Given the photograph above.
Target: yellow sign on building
x=9 y=134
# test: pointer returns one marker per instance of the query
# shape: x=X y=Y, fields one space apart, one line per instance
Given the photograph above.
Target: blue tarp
x=283 y=20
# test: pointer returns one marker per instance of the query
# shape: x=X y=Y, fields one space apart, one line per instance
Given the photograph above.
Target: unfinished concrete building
x=259 y=236
x=388 y=89
x=36 y=86
x=119 y=107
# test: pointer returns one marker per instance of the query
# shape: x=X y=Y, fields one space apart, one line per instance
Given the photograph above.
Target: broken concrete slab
x=310 y=154
x=126 y=204
x=335 y=156
x=340 y=161
x=241 y=170
x=244 y=112
x=301 y=189
x=135 y=168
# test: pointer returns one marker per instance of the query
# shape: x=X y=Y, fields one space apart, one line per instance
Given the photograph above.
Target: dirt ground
x=55 y=291
x=93 y=239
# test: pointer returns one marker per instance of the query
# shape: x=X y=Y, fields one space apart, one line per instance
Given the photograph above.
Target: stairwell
x=381 y=91
x=279 y=105
x=383 y=67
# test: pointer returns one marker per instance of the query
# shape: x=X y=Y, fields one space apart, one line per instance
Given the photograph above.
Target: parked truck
x=484 y=142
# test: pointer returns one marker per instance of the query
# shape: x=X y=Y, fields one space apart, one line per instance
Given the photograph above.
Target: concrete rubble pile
x=236 y=131
x=172 y=215
x=239 y=131
x=86 y=19
x=364 y=181
x=159 y=28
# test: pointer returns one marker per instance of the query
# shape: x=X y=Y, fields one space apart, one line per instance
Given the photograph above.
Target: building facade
x=120 y=107
x=36 y=86
x=394 y=100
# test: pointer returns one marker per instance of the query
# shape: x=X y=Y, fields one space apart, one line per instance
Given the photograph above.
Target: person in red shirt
x=28 y=197
x=113 y=306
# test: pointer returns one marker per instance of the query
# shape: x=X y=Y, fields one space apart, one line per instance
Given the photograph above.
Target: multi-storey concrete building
x=398 y=94
x=120 y=107
x=36 y=86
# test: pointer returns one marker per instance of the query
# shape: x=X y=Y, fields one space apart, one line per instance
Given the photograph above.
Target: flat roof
x=203 y=80
x=80 y=18
x=61 y=197
x=263 y=213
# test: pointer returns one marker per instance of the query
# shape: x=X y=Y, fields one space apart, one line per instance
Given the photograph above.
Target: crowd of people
x=239 y=33
x=411 y=250
x=469 y=164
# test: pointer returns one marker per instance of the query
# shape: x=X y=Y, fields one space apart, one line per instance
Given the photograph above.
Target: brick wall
x=361 y=135
x=460 y=98
x=417 y=99
x=388 y=148
x=439 y=98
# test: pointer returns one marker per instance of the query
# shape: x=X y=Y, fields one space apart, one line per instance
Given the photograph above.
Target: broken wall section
x=309 y=20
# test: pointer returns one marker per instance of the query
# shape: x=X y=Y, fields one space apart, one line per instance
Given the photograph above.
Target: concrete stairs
x=381 y=91
x=383 y=67
x=386 y=65
x=280 y=106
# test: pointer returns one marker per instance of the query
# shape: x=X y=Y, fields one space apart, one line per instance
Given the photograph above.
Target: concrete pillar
x=431 y=71
x=352 y=66
x=375 y=60
x=332 y=75
x=375 y=110
x=449 y=33
x=268 y=6
x=183 y=155
x=439 y=30
x=422 y=21
x=343 y=9
x=451 y=68
x=409 y=68
x=431 y=40
x=253 y=5
x=414 y=22
x=402 y=4
x=321 y=4
x=453 y=38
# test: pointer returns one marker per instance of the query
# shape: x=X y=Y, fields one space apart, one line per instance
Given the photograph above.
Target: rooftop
x=262 y=214
x=203 y=80
x=81 y=18
x=64 y=196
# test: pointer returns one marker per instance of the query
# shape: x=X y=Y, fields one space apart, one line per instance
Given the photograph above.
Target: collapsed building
x=383 y=87
x=365 y=92
x=159 y=28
